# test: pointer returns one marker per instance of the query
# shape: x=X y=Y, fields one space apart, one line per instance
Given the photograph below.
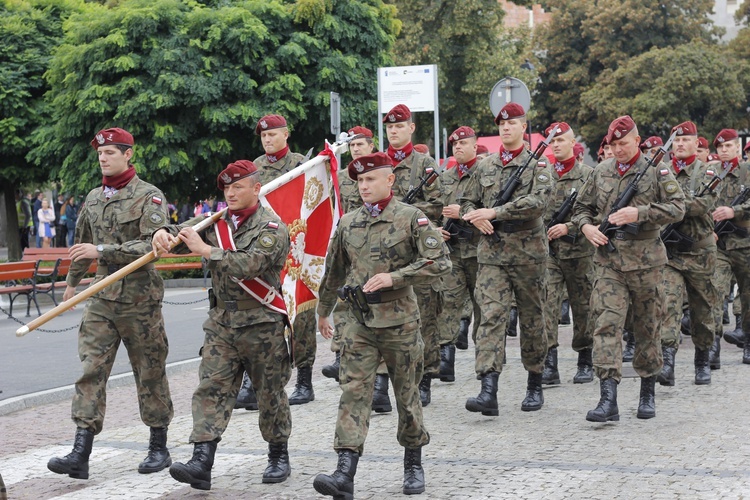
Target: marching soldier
x=691 y=262
x=569 y=264
x=245 y=251
x=113 y=229
x=463 y=239
x=377 y=254
x=634 y=270
x=734 y=246
x=409 y=167
x=511 y=260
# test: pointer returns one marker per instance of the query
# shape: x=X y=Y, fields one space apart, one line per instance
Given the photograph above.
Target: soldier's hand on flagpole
x=194 y=242
x=325 y=327
x=68 y=294
x=381 y=280
x=161 y=241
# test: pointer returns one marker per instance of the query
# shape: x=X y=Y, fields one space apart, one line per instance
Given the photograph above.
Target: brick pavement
x=696 y=447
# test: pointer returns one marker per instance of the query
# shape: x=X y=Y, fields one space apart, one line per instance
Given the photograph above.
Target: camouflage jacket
x=561 y=189
x=452 y=188
x=729 y=188
x=399 y=241
x=408 y=173
x=659 y=201
x=350 y=198
x=527 y=206
x=262 y=244
x=123 y=226
x=269 y=171
x=698 y=222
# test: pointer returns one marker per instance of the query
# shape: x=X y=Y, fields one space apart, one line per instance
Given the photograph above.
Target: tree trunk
x=12 y=235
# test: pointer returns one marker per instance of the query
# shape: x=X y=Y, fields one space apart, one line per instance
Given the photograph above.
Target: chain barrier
x=168 y=302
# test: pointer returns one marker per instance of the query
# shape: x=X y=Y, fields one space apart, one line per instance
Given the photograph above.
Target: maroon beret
x=367 y=163
x=652 y=142
x=269 y=122
x=747 y=146
x=562 y=128
x=713 y=157
x=461 y=133
x=422 y=148
x=359 y=132
x=702 y=142
x=510 y=110
x=577 y=149
x=399 y=113
x=482 y=149
x=115 y=136
x=686 y=128
x=234 y=172
x=727 y=134
x=619 y=128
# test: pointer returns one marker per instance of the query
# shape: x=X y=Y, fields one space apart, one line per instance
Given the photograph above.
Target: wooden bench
x=22 y=278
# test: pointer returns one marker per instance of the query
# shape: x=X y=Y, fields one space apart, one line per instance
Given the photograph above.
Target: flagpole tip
x=22 y=331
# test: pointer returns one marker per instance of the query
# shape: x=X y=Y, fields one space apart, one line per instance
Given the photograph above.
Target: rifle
x=624 y=198
x=561 y=214
x=727 y=226
x=457 y=232
x=430 y=175
x=512 y=184
x=672 y=236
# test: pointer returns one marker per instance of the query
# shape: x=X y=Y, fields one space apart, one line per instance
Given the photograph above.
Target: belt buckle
x=230 y=305
x=619 y=235
x=269 y=296
x=112 y=268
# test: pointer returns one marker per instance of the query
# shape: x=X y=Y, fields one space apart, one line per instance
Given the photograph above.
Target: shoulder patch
x=156 y=218
x=663 y=171
x=156 y=200
x=541 y=163
x=272 y=225
x=267 y=240
x=423 y=221
x=430 y=241
x=671 y=187
x=543 y=177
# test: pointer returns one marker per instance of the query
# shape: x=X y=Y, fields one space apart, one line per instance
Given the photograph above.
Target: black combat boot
x=413 y=471
x=746 y=351
x=606 y=410
x=702 y=368
x=685 y=327
x=585 y=371
x=303 y=391
x=534 y=396
x=666 y=377
x=550 y=375
x=447 y=363
x=197 y=472
x=340 y=484
x=714 y=354
x=463 y=334
x=158 y=457
x=332 y=370
x=381 y=402
x=512 y=329
x=647 y=399
x=246 y=397
x=278 y=464
x=425 y=392
x=76 y=463
x=725 y=313
x=565 y=312
x=629 y=351
x=486 y=401
x=737 y=336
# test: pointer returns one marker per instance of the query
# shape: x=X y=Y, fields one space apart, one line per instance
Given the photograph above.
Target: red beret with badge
x=652 y=142
x=727 y=134
x=234 y=172
x=399 y=113
x=510 y=111
x=461 y=133
x=422 y=148
x=368 y=163
x=561 y=126
x=112 y=136
x=482 y=149
x=702 y=142
x=686 y=128
x=619 y=128
x=577 y=149
x=359 y=132
x=269 y=122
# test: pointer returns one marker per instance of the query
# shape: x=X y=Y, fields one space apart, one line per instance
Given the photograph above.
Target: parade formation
x=422 y=260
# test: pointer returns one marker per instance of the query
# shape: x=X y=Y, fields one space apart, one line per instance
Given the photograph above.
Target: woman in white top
x=46 y=223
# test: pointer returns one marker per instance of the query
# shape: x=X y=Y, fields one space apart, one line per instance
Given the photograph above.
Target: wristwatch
x=100 y=249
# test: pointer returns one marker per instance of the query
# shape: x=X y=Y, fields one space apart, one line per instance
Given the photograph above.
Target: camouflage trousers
x=694 y=274
x=3 y=490
x=735 y=261
x=304 y=340
x=430 y=304
x=496 y=286
x=262 y=351
x=612 y=290
x=401 y=347
x=459 y=299
x=340 y=317
x=573 y=276
x=140 y=327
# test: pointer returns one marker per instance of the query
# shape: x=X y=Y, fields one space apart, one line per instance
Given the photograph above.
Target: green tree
x=190 y=81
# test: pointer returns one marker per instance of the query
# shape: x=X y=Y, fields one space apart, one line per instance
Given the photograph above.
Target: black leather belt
x=237 y=305
x=510 y=226
x=388 y=296
x=641 y=235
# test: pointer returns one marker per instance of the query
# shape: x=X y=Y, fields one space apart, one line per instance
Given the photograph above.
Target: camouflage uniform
x=399 y=241
x=429 y=297
x=252 y=337
x=635 y=270
x=128 y=310
x=514 y=265
x=569 y=265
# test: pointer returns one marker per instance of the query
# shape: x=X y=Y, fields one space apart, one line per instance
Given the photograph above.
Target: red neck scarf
x=238 y=217
x=565 y=166
x=679 y=165
x=463 y=168
x=507 y=156
x=399 y=155
x=375 y=209
x=278 y=155
x=731 y=164
x=622 y=168
x=119 y=181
